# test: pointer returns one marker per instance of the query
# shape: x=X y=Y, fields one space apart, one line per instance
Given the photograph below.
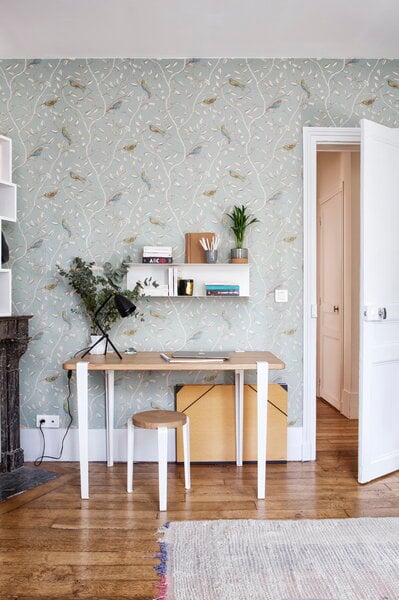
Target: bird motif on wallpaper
x=209 y=101
x=290 y=147
x=275 y=196
x=368 y=101
x=36 y=245
x=66 y=135
x=34 y=61
x=76 y=176
x=195 y=151
x=77 y=85
x=236 y=175
x=236 y=83
x=289 y=239
x=192 y=61
x=209 y=193
x=115 y=105
x=156 y=129
x=51 y=102
x=51 y=195
x=290 y=331
x=51 y=378
x=157 y=315
x=129 y=147
x=155 y=221
x=38 y=336
x=129 y=240
x=195 y=336
x=115 y=198
x=225 y=132
x=36 y=152
x=130 y=332
x=274 y=105
x=66 y=227
x=305 y=87
x=352 y=61
x=66 y=318
x=393 y=84
x=51 y=286
x=145 y=87
x=225 y=318
x=144 y=179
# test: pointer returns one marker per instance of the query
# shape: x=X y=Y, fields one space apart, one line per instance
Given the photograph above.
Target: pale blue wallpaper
x=110 y=155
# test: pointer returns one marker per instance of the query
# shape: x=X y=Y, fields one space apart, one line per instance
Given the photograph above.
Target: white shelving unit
x=167 y=275
x=8 y=212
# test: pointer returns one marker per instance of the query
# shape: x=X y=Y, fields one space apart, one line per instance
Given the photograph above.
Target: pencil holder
x=211 y=256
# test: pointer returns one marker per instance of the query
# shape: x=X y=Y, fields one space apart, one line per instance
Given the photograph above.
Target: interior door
x=379 y=301
x=330 y=297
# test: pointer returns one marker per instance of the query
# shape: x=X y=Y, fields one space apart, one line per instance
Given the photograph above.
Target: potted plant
x=240 y=220
x=95 y=284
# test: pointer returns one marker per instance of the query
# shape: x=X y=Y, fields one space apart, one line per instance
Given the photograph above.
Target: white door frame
x=313 y=137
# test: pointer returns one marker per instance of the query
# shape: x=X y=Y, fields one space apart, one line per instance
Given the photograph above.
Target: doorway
x=338 y=262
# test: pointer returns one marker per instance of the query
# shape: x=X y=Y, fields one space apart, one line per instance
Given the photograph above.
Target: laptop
x=219 y=354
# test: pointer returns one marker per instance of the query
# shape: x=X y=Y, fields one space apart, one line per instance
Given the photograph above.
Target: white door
x=330 y=297
x=379 y=302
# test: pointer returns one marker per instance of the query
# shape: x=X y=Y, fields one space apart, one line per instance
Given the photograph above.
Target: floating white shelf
x=167 y=276
x=8 y=212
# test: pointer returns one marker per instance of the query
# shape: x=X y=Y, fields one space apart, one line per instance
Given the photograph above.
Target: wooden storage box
x=211 y=409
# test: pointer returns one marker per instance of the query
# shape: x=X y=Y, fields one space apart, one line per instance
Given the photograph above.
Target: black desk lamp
x=124 y=308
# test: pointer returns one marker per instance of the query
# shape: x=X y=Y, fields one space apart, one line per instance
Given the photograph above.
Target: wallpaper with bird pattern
x=110 y=155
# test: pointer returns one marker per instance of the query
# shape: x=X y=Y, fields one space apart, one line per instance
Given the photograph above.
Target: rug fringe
x=162 y=586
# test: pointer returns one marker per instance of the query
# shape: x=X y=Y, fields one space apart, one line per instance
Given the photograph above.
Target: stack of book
x=222 y=289
x=157 y=255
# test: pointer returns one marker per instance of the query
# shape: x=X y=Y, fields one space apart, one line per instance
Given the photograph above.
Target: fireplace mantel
x=14 y=338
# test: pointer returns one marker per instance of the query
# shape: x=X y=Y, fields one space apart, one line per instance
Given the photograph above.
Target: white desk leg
x=109 y=412
x=262 y=376
x=83 y=424
x=239 y=399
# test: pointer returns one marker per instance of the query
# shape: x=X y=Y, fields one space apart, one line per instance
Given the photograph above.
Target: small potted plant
x=240 y=220
x=95 y=284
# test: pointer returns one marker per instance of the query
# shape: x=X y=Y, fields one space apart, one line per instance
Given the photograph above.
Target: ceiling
x=199 y=28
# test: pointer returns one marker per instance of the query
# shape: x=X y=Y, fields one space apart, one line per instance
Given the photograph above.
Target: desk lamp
x=124 y=308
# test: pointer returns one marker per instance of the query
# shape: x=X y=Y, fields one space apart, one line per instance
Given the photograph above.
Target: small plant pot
x=239 y=255
x=211 y=256
x=99 y=348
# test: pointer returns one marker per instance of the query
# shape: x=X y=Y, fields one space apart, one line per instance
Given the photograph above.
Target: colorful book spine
x=157 y=260
x=222 y=292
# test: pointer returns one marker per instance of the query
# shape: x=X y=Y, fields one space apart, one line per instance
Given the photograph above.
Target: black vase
x=5 y=253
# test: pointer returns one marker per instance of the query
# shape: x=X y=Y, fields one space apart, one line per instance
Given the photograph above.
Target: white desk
x=239 y=362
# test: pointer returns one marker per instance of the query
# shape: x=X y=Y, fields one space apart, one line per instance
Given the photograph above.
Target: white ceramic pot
x=99 y=348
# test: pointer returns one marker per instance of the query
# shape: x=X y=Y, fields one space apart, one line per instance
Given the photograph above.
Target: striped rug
x=332 y=559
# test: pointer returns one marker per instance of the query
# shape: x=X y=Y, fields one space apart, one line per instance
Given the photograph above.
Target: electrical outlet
x=49 y=421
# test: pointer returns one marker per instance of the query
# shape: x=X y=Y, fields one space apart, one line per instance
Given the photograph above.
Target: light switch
x=281 y=295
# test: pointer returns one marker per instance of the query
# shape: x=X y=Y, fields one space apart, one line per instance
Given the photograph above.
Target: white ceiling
x=199 y=28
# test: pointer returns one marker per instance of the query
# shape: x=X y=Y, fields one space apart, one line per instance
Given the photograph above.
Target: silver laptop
x=220 y=354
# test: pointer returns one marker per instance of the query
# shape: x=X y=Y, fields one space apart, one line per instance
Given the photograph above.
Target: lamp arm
x=101 y=307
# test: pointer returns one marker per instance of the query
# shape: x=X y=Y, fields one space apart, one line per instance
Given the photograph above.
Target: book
x=222 y=292
x=222 y=286
x=194 y=251
x=157 y=259
x=170 y=359
x=157 y=250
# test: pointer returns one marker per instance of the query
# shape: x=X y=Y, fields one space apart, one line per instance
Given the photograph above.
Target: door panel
x=330 y=297
x=379 y=292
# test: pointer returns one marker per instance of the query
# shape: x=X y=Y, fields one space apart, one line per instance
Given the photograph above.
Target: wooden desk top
x=151 y=361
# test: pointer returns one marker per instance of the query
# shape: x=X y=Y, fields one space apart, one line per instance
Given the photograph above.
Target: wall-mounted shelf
x=167 y=275
x=8 y=212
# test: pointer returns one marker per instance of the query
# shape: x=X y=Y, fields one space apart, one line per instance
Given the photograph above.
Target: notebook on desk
x=214 y=354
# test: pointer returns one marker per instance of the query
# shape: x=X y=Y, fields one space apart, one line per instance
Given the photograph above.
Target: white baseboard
x=350 y=404
x=145 y=444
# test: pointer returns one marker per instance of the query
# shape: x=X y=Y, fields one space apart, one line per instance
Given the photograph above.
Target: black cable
x=38 y=461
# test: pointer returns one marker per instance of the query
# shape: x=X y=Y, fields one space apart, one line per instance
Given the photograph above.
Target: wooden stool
x=162 y=420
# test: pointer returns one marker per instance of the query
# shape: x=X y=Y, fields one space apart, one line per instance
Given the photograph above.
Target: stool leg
x=163 y=466
x=130 y=450
x=186 y=454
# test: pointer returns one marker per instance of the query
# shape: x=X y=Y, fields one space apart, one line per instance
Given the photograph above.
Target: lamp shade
x=123 y=305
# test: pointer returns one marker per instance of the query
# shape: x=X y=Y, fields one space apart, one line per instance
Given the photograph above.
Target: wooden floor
x=55 y=545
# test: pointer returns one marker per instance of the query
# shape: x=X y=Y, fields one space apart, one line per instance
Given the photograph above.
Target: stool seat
x=152 y=419
x=161 y=420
